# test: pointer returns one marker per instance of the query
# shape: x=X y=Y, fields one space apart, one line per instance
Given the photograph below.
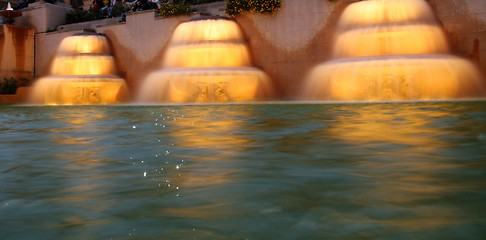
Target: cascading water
x=387 y=50
x=207 y=61
x=83 y=72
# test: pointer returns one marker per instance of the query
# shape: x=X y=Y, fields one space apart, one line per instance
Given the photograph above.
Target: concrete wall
x=464 y=22
x=43 y=16
x=16 y=52
x=286 y=45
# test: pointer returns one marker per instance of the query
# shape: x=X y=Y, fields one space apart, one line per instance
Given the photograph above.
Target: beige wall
x=464 y=22
x=16 y=52
x=43 y=16
x=286 y=45
x=289 y=44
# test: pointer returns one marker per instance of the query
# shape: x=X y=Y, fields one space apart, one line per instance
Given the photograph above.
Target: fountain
x=83 y=72
x=391 y=50
x=9 y=14
x=207 y=61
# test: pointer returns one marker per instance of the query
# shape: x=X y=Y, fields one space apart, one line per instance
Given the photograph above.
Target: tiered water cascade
x=391 y=50
x=207 y=61
x=83 y=72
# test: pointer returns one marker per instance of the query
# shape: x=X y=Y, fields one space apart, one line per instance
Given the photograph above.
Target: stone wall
x=464 y=22
x=16 y=52
x=43 y=16
x=286 y=45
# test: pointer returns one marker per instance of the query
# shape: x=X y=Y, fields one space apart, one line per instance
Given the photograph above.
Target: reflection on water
x=293 y=171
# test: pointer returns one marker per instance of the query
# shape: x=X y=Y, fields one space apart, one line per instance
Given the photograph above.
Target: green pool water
x=263 y=171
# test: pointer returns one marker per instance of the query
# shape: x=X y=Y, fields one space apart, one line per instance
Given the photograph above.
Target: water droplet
x=177 y=167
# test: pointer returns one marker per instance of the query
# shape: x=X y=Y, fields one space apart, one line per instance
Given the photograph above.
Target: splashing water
x=392 y=50
x=83 y=72
x=206 y=61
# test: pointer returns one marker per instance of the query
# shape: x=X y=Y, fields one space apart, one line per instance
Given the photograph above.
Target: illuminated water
x=83 y=71
x=392 y=50
x=206 y=61
x=282 y=171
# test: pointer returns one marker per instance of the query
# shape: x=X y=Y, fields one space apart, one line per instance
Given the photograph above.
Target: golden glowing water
x=391 y=40
x=392 y=50
x=83 y=72
x=373 y=12
x=206 y=61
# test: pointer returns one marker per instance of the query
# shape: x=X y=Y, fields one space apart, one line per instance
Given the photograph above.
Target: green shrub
x=10 y=85
x=174 y=9
x=235 y=7
x=76 y=16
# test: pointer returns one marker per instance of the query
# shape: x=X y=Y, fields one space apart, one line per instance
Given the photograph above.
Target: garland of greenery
x=235 y=7
x=174 y=9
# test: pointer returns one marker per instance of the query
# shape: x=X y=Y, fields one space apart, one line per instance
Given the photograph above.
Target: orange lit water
x=282 y=171
x=392 y=50
x=82 y=72
x=206 y=61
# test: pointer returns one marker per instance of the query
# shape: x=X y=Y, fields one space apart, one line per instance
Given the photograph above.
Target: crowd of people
x=106 y=7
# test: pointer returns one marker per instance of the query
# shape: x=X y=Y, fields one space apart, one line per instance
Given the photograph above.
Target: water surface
x=276 y=171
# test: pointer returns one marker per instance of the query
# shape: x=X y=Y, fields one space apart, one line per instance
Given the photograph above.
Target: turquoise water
x=276 y=171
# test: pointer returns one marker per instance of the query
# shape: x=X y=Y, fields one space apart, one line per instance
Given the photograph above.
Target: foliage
x=118 y=10
x=76 y=16
x=10 y=85
x=174 y=9
x=235 y=7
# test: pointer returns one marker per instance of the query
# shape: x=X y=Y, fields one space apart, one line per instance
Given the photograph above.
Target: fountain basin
x=207 y=61
x=79 y=90
x=201 y=85
x=391 y=78
x=82 y=72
